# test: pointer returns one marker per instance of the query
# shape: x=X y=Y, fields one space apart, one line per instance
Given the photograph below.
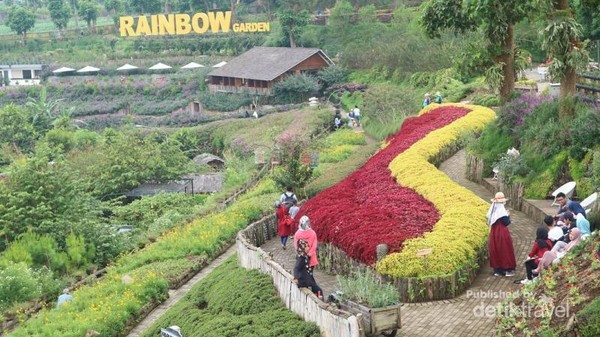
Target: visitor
x=438 y=98
x=302 y=277
x=576 y=208
x=558 y=251
x=64 y=297
x=529 y=63
x=294 y=209
x=427 y=100
x=337 y=122
x=284 y=223
x=307 y=234
x=501 y=251
x=351 y=121
x=356 y=115
x=246 y=114
x=562 y=201
x=568 y=224
x=255 y=114
x=288 y=197
x=541 y=245
x=554 y=233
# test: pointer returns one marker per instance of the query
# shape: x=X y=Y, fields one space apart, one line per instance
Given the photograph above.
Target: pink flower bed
x=369 y=207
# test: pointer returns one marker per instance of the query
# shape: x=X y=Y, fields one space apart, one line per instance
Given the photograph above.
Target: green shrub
x=18 y=283
x=366 y=288
x=232 y=301
x=492 y=144
x=295 y=89
x=540 y=181
x=590 y=319
x=488 y=100
x=585 y=132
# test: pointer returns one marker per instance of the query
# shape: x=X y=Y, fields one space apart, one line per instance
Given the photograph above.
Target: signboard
x=182 y=24
x=424 y=252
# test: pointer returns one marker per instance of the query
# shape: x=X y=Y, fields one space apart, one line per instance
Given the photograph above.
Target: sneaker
x=283 y=247
x=525 y=281
x=510 y=273
x=498 y=274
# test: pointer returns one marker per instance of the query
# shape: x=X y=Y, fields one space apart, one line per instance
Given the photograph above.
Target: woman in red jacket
x=541 y=245
x=284 y=223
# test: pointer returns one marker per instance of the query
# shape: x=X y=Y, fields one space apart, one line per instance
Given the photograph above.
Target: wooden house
x=256 y=70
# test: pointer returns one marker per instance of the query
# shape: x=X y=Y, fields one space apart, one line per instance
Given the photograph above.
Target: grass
x=232 y=301
x=46 y=25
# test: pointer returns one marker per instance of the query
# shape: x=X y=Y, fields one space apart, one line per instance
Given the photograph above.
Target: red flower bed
x=369 y=207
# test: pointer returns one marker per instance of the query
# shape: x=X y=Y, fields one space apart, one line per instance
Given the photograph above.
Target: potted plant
x=378 y=303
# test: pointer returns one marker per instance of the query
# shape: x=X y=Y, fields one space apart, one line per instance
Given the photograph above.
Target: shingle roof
x=266 y=63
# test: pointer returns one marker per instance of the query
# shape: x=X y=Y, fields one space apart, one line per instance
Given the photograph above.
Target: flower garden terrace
x=400 y=199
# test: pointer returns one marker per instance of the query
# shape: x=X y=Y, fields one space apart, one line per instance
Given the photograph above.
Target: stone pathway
x=462 y=316
x=176 y=295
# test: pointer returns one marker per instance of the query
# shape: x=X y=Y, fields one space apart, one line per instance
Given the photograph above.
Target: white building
x=20 y=74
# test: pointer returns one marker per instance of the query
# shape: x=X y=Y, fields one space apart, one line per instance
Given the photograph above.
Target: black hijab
x=541 y=237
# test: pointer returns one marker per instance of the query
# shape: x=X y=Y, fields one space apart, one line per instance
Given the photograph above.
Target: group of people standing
x=437 y=99
x=353 y=118
x=554 y=239
x=305 y=240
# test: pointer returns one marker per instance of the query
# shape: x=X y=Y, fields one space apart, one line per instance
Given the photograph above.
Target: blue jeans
x=284 y=240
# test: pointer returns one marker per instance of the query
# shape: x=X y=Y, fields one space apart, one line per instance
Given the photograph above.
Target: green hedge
x=232 y=301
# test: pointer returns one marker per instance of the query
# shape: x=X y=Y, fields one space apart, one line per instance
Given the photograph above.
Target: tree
x=293 y=24
x=562 y=41
x=59 y=13
x=89 y=11
x=15 y=128
x=146 y=6
x=497 y=19
x=20 y=20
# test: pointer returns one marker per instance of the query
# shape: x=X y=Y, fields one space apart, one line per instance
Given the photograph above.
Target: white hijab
x=496 y=211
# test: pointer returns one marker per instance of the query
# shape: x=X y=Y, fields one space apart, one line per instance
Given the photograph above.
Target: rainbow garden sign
x=182 y=24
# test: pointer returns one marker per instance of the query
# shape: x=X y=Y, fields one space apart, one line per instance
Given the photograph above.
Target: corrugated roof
x=266 y=63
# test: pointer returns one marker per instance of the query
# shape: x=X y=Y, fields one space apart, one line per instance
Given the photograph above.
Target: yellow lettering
x=267 y=26
x=166 y=24
x=219 y=20
x=143 y=26
x=236 y=27
x=126 y=26
x=195 y=23
x=154 y=24
x=183 y=24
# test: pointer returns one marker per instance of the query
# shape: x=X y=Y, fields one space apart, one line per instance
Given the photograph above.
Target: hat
x=568 y=216
x=499 y=197
x=66 y=291
x=427 y=95
x=437 y=93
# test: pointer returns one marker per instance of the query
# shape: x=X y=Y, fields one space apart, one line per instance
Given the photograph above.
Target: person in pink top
x=307 y=234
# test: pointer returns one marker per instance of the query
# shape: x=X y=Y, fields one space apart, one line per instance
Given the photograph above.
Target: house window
x=27 y=74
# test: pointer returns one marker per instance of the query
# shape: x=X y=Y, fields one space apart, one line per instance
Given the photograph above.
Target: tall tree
x=562 y=40
x=293 y=24
x=497 y=19
x=89 y=12
x=59 y=13
x=20 y=20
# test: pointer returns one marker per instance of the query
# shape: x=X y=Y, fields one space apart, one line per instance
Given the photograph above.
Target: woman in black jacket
x=302 y=277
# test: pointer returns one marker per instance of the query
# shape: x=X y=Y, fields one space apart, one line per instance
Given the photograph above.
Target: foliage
x=224 y=101
x=585 y=132
x=233 y=301
x=292 y=24
x=544 y=175
x=88 y=10
x=295 y=88
x=590 y=317
x=513 y=114
x=454 y=240
x=20 y=20
x=332 y=75
x=486 y=100
x=384 y=109
x=16 y=129
x=510 y=168
x=17 y=284
x=59 y=13
x=366 y=288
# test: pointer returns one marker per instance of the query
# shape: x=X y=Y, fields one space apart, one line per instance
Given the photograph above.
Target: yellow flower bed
x=462 y=230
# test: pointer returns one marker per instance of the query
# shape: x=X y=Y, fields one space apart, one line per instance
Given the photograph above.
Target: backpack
x=288 y=200
x=351 y=114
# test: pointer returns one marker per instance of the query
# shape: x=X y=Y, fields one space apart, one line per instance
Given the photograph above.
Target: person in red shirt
x=284 y=223
x=541 y=245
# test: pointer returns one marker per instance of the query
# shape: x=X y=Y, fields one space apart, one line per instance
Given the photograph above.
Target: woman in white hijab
x=501 y=251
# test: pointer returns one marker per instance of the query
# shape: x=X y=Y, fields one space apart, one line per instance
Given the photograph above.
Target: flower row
x=461 y=230
x=369 y=208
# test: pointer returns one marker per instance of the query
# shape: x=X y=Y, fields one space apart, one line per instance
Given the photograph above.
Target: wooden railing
x=331 y=321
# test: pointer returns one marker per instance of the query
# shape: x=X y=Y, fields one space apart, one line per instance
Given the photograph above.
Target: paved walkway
x=461 y=316
x=176 y=295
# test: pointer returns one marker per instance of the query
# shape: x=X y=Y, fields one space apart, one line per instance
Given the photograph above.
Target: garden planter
x=384 y=321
